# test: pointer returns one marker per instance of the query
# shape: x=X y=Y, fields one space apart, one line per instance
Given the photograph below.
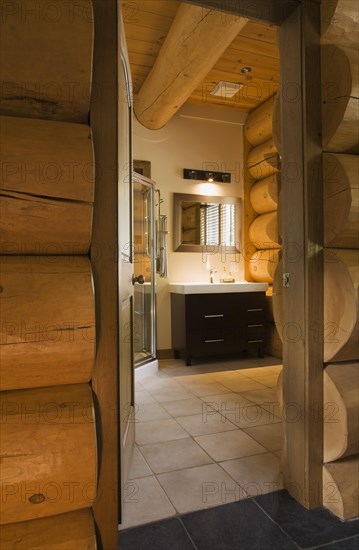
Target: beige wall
x=190 y=140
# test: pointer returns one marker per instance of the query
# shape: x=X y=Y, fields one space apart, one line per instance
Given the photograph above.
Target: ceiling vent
x=226 y=89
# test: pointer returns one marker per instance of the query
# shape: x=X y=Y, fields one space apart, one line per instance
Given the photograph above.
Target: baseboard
x=165 y=354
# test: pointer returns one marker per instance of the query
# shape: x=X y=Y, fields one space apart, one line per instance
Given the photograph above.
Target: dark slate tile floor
x=269 y=522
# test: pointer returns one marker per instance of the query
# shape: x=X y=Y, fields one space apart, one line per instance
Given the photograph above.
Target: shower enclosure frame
x=151 y=252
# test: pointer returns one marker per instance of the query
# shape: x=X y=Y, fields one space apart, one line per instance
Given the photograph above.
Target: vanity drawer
x=209 y=310
x=215 y=341
x=254 y=316
x=255 y=331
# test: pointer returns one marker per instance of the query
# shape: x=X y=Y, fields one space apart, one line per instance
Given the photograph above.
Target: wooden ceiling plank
x=240 y=106
x=250 y=45
x=136 y=32
x=268 y=11
x=158 y=7
x=234 y=68
x=141 y=59
x=258 y=31
x=142 y=46
x=148 y=20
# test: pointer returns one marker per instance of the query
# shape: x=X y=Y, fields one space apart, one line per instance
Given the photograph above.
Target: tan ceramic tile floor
x=205 y=435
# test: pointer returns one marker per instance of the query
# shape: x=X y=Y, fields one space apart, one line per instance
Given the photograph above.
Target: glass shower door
x=144 y=270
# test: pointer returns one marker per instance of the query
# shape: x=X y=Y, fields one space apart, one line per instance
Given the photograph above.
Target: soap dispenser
x=224 y=275
x=227 y=278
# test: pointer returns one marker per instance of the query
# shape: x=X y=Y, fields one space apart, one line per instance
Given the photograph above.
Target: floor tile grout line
x=221 y=414
x=275 y=523
x=213 y=461
x=326 y=544
x=188 y=533
x=144 y=458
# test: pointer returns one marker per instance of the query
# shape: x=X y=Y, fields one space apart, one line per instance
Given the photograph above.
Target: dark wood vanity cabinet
x=214 y=324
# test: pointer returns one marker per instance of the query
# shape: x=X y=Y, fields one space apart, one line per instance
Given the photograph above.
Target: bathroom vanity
x=213 y=319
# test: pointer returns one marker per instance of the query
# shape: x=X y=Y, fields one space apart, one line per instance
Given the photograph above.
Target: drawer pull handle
x=208 y=316
x=254 y=341
x=252 y=326
x=219 y=340
x=260 y=309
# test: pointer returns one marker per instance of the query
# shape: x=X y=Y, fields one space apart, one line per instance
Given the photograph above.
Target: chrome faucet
x=211 y=273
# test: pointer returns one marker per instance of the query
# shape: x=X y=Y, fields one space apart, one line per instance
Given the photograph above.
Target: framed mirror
x=200 y=221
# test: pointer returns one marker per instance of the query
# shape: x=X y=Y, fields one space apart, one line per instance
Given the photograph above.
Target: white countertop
x=216 y=288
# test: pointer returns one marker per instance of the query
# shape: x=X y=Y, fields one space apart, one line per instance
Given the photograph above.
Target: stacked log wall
x=340 y=122
x=47 y=316
x=263 y=243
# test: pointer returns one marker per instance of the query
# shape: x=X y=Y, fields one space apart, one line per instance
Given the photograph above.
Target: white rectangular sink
x=216 y=288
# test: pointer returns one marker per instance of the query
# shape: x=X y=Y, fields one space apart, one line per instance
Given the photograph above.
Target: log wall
x=340 y=117
x=47 y=318
x=75 y=530
x=262 y=187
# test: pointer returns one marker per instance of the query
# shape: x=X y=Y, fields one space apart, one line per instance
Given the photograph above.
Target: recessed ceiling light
x=226 y=89
x=246 y=70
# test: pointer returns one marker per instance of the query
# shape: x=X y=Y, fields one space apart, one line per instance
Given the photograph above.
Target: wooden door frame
x=104 y=259
x=302 y=228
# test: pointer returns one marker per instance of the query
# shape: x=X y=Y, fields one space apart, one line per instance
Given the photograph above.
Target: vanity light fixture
x=204 y=175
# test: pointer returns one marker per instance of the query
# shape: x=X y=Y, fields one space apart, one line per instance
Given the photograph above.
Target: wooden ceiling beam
x=196 y=40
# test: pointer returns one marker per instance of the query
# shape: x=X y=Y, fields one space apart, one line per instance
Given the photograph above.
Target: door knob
x=140 y=279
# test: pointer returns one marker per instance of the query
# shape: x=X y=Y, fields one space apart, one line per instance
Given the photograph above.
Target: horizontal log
x=264 y=194
x=341 y=410
x=196 y=40
x=341 y=304
x=273 y=344
x=274 y=160
x=46 y=60
x=47 y=159
x=43 y=226
x=47 y=187
x=340 y=23
x=341 y=200
x=262 y=265
x=263 y=231
x=48 y=452
x=259 y=160
x=47 y=321
x=341 y=487
x=73 y=530
x=340 y=99
x=258 y=126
